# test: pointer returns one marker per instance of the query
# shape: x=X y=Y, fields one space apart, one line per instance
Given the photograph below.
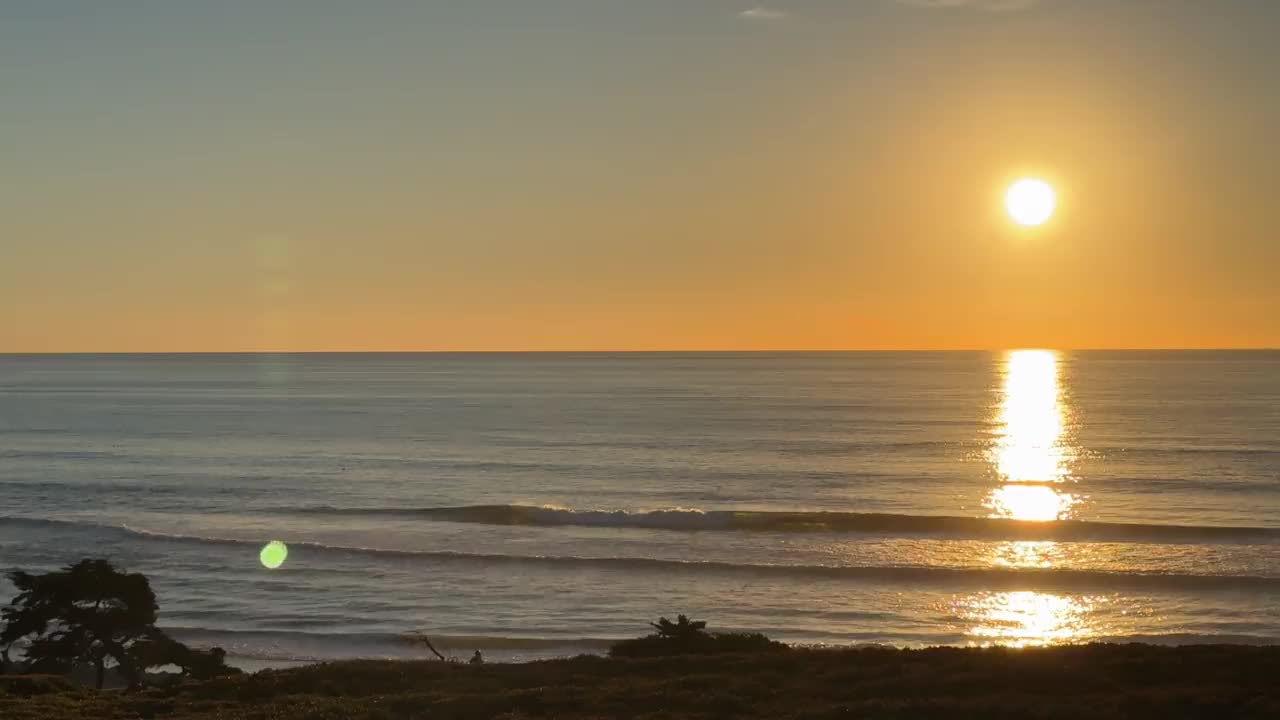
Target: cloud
x=760 y=14
x=989 y=5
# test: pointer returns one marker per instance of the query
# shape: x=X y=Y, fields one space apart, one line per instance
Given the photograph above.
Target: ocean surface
x=532 y=505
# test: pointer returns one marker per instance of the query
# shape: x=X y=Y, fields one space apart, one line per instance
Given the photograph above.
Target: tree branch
x=433 y=649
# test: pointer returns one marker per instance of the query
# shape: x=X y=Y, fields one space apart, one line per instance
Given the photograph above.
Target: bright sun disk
x=1030 y=201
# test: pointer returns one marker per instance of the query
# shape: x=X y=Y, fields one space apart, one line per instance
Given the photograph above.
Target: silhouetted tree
x=91 y=613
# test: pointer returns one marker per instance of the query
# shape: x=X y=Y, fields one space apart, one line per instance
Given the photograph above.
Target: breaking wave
x=689 y=520
x=308 y=555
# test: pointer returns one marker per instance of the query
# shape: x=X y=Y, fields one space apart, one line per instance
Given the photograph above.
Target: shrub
x=685 y=637
x=29 y=685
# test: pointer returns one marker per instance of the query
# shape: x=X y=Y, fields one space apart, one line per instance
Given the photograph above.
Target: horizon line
x=799 y=351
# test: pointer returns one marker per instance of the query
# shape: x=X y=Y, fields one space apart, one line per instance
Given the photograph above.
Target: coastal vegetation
x=91 y=614
x=686 y=637
x=1101 y=682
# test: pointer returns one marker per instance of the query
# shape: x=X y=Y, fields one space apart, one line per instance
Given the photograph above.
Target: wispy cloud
x=761 y=13
x=990 y=5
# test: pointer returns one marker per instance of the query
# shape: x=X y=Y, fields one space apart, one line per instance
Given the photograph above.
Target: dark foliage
x=1099 y=682
x=681 y=629
x=28 y=685
x=90 y=613
x=685 y=637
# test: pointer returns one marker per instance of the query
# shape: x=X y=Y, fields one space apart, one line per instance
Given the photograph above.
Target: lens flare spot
x=273 y=554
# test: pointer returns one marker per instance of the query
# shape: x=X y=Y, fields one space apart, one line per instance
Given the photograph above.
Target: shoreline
x=513 y=656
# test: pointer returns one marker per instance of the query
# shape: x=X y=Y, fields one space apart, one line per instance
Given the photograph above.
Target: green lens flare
x=273 y=554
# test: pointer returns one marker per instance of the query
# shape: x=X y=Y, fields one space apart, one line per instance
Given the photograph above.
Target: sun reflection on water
x=1030 y=419
x=1030 y=455
x=1029 y=502
x=1032 y=459
x=1026 y=618
x=1026 y=554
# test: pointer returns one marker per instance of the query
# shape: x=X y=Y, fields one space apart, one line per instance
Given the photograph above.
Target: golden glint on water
x=1029 y=454
x=1026 y=618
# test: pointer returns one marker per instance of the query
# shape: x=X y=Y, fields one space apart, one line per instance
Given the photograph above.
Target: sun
x=1030 y=201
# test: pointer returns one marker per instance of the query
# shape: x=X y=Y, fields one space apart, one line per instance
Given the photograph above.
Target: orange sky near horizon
x=830 y=178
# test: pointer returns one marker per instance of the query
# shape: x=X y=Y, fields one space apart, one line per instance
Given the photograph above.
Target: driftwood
x=431 y=647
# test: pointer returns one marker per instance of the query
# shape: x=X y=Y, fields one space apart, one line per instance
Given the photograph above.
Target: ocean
x=536 y=505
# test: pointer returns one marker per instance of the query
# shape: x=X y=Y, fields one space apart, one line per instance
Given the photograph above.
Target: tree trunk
x=101 y=666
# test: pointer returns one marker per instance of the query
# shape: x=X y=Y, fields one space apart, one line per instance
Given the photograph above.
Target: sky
x=315 y=175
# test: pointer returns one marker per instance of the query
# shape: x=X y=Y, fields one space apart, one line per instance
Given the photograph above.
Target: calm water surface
x=533 y=505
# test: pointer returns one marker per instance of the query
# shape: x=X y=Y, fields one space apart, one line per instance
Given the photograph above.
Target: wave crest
x=304 y=555
x=986 y=578
x=693 y=519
